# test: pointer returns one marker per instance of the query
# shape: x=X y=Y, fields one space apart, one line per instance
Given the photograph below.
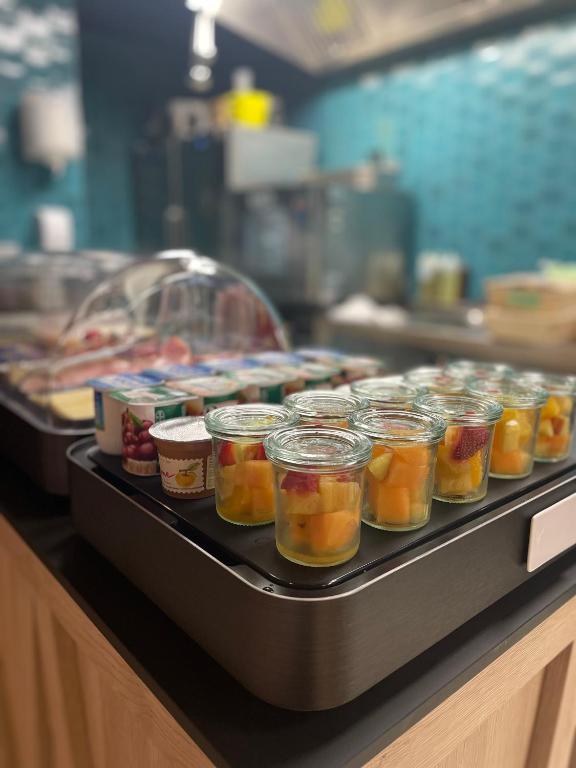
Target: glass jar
x=436 y=380
x=556 y=426
x=386 y=392
x=515 y=433
x=464 y=452
x=400 y=474
x=319 y=475
x=476 y=369
x=324 y=408
x=244 y=480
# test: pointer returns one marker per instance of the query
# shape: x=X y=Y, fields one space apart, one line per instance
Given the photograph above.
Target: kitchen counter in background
x=92 y=673
x=434 y=338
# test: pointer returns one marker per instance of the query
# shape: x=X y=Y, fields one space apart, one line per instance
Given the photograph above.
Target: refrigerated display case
x=176 y=308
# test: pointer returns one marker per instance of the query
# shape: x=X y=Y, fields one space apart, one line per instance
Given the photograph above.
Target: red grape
x=144 y=436
x=146 y=424
x=130 y=452
x=129 y=438
x=146 y=451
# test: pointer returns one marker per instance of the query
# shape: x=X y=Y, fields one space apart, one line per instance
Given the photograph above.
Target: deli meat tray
x=314 y=638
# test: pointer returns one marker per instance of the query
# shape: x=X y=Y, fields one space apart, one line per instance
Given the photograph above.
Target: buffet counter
x=93 y=674
x=445 y=339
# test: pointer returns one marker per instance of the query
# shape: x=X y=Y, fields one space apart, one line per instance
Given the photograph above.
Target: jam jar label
x=185 y=476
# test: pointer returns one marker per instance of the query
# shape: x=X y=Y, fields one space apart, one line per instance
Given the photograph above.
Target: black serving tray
x=37 y=448
x=255 y=546
x=310 y=638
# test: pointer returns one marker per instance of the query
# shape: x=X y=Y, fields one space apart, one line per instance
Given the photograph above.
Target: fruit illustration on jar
x=185 y=478
x=137 y=445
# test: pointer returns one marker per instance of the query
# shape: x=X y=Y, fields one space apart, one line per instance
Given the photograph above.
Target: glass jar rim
x=318 y=449
x=553 y=383
x=385 y=389
x=508 y=392
x=428 y=377
x=460 y=409
x=250 y=420
x=380 y=424
x=470 y=369
x=324 y=403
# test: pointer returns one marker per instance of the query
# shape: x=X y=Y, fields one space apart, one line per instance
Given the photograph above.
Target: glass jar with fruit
x=244 y=480
x=433 y=379
x=400 y=474
x=477 y=369
x=324 y=408
x=464 y=452
x=556 y=427
x=319 y=475
x=515 y=432
x=386 y=392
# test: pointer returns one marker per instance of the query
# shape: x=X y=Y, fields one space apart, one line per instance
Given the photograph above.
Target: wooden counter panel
x=519 y=712
x=67 y=698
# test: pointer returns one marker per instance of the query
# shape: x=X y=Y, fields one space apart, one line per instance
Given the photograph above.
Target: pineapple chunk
x=336 y=495
x=380 y=465
x=545 y=428
x=510 y=436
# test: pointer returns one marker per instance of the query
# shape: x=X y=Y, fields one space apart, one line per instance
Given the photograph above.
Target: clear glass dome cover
x=178 y=308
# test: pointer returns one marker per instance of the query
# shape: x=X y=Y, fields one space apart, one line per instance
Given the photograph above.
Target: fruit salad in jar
x=556 y=426
x=436 y=380
x=386 y=392
x=464 y=452
x=400 y=473
x=515 y=432
x=324 y=408
x=319 y=476
x=244 y=479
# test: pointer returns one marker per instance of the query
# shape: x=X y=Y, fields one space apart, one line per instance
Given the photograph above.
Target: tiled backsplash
x=486 y=143
x=37 y=48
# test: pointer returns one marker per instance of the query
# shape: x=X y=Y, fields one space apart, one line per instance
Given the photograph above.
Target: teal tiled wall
x=37 y=48
x=485 y=139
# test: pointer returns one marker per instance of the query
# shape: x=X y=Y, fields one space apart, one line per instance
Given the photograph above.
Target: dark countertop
x=233 y=727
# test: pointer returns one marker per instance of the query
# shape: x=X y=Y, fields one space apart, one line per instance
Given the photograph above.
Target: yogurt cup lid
x=150 y=395
x=259 y=376
x=123 y=381
x=225 y=365
x=187 y=429
x=275 y=358
x=209 y=386
x=178 y=371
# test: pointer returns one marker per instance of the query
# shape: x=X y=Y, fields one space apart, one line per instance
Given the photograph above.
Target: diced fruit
x=412 y=454
x=559 y=444
x=412 y=476
x=297 y=526
x=551 y=408
x=336 y=496
x=237 y=505
x=332 y=531
x=476 y=469
x=300 y=482
x=510 y=436
x=546 y=428
x=392 y=505
x=380 y=465
x=263 y=501
x=460 y=485
x=452 y=437
x=418 y=511
x=296 y=503
x=471 y=439
x=379 y=450
x=448 y=465
x=226 y=454
x=511 y=463
x=565 y=404
x=226 y=480
x=255 y=473
x=560 y=425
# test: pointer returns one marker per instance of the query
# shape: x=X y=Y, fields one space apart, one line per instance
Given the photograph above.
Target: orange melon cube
x=255 y=473
x=298 y=532
x=413 y=454
x=412 y=476
x=295 y=503
x=511 y=463
x=337 y=495
x=263 y=500
x=332 y=531
x=392 y=505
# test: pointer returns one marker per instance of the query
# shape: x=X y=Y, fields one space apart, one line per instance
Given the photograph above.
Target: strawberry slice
x=226 y=455
x=470 y=440
x=260 y=453
x=558 y=424
x=300 y=482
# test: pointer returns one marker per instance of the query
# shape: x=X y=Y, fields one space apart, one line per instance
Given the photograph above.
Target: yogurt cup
x=175 y=372
x=209 y=392
x=262 y=385
x=230 y=364
x=273 y=358
x=185 y=457
x=107 y=410
x=140 y=409
x=318 y=376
